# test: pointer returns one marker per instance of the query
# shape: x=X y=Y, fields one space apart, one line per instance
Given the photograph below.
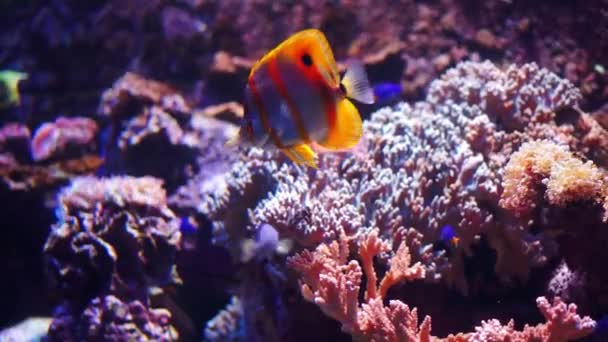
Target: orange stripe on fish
x=264 y=114
x=275 y=75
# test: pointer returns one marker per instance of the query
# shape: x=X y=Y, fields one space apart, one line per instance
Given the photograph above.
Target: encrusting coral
x=417 y=170
x=115 y=238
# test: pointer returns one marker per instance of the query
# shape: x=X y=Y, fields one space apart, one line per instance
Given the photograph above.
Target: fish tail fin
x=347 y=129
x=301 y=154
x=356 y=84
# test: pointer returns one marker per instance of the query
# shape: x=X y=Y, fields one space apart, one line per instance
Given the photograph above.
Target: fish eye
x=306 y=59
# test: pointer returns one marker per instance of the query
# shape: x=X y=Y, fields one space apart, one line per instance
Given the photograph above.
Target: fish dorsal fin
x=347 y=128
x=312 y=42
x=356 y=84
x=301 y=154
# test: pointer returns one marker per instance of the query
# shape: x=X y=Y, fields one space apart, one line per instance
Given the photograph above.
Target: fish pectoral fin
x=301 y=154
x=356 y=84
x=347 y=129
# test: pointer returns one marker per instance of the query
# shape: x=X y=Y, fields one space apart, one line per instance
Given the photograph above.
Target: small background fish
x=448 y=239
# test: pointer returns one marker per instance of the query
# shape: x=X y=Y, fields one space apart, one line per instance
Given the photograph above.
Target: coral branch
x=401 y=270
x=368 y=249
x=332 y=282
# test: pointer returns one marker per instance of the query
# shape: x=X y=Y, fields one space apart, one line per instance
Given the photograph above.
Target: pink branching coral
x=563 y=324
x=516 y=97
x=566 y=178
x=332 y=282
x=14 y=142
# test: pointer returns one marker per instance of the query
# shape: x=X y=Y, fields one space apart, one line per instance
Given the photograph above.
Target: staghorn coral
x=113 y=236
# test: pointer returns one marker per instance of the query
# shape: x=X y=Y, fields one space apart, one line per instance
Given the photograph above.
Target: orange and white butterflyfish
x=294 y=99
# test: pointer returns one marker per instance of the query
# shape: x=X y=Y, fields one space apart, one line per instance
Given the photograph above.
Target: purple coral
x=116 y=236
x=110 y=319
x=149 y=131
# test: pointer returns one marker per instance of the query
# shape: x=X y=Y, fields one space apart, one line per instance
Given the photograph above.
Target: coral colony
x=473 y=208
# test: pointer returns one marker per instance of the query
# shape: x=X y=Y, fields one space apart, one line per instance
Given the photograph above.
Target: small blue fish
x=448 y=239
x=386 y=91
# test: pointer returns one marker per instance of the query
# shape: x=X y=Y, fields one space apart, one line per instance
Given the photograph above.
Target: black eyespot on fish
x=306 y=59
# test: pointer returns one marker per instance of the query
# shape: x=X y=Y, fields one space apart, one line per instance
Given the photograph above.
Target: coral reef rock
x=115 y=238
